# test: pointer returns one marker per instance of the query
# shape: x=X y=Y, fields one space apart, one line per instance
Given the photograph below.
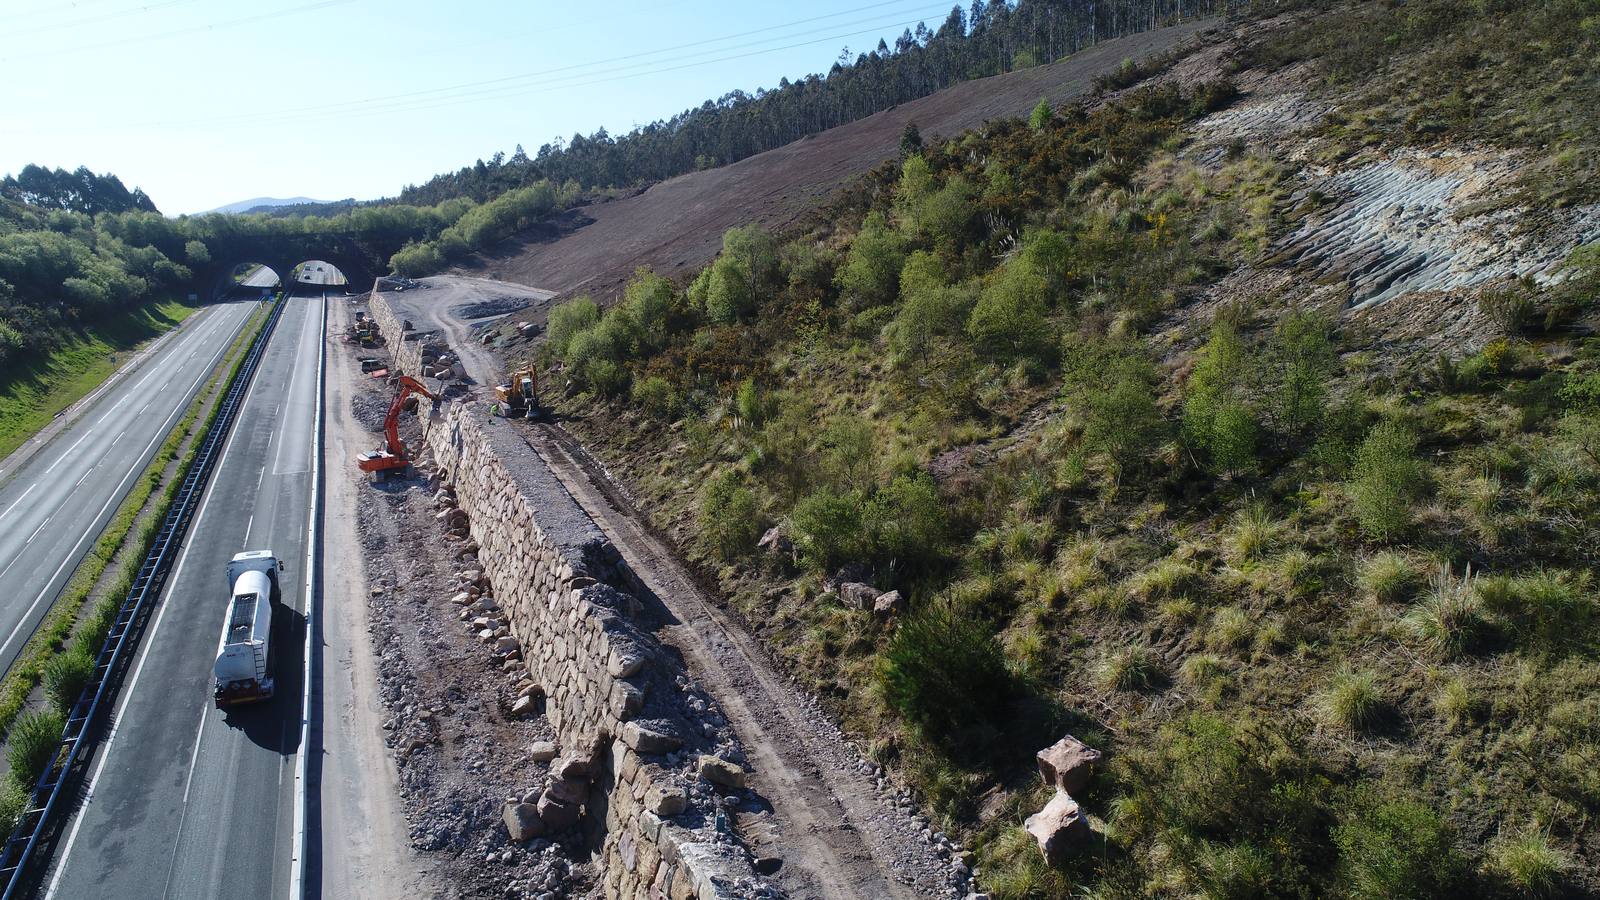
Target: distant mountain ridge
x=259 y=204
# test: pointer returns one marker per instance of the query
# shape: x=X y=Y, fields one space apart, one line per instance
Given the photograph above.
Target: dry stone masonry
x=643 y=762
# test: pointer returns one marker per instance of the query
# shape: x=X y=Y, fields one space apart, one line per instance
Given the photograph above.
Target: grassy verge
x=50 y=640
x=32 y=393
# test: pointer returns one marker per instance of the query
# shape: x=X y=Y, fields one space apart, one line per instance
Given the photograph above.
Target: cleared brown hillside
x=677 y=225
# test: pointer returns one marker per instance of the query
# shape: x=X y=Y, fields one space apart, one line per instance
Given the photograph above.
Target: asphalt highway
x=262 y=277
x=184 y=800
x=54 y=505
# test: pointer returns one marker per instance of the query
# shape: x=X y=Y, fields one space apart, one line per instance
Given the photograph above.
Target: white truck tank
x=244 y=656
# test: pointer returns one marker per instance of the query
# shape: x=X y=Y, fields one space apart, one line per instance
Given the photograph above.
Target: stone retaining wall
x=631 y=746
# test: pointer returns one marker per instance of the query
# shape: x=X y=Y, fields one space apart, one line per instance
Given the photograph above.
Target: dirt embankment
x=677 y=225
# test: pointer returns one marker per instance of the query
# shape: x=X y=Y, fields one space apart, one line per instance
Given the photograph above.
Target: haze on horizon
x=203 y=105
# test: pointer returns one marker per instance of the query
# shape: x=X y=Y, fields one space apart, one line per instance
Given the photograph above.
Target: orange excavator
x=392 y=455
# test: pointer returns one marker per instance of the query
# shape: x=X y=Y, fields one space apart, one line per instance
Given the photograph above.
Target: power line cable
x=179 y=32
x=539 y=73
x=499 y=87
x=95 y=20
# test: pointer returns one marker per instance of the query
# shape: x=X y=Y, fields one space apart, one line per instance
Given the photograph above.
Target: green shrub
x=1396 y=849
x=1205 y=784
x=1354 y=701
x=64 y=677
x=1008 y=320
x=1511 y=308
x=1111 y=386
x=1552 y=610
x=945 y=672
x=1303 y=355
x=1529 y=862
x=1217 y=420
x=828 y=529
x=729 y=517
x=13 y=802
x=656 y=397
x=871 y=270
x=728 y=296
x=1388 y=478
x=908 y=521
x=567 y=320
x=33 y=741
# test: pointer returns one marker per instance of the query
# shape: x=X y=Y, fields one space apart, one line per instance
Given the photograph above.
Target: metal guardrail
x=44 y=803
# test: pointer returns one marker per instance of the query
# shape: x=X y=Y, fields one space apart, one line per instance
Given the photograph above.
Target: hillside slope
x=676 y=226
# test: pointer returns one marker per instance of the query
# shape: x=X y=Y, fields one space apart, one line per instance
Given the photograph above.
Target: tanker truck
x=244 y=657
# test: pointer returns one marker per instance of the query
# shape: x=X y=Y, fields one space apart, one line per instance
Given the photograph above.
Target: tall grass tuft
x=1529 y=863
x=1449 y=621
x=1354 y=701
x=1390 y=577
x=34 y=739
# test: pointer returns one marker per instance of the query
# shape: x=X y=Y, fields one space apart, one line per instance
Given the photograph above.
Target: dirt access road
x=677 y=225
x=840 y=835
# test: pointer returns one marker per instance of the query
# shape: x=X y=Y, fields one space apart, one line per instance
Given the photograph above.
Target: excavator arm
x=392 y=455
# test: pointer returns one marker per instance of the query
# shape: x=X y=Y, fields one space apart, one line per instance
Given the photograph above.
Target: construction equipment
x=392 y=455
x=520 y=396
x=244 y=657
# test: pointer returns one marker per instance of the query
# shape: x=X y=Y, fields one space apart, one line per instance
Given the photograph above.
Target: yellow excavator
x=519 y=397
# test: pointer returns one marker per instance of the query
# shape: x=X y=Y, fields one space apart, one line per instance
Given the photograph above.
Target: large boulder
x=522 y=821
x=888 y=604
x=557 y=814
x=1067 y=763
x=858 y=595
x=776 y=543
x=1060 y=828
x=719 y=771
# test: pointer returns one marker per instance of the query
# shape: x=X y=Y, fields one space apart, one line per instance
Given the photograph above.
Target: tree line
x=988 y=38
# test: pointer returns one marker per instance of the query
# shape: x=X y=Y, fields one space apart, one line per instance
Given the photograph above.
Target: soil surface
x=677 y=225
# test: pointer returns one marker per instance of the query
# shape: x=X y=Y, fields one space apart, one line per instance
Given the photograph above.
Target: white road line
x=117 y=438
x=19 y=500
x=247 y=526
x=85 y=476
x=37 y=530
x=297 y=857
x=194 y=757
x=66 y=454
x=133 y=682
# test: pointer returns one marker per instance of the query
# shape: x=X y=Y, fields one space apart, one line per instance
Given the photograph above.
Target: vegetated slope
x=676 y=226
x=1218 y=430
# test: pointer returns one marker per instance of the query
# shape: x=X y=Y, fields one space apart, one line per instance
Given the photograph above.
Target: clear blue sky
x=203 y=103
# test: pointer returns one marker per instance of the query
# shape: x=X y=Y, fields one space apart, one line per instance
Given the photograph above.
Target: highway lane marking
x=117 y=438
x=19 y=500
x=194 y=757
x=85 y=476
x=116 y=495
x=67 y=454
x=298 y=850
x=247 y=526
x=133 y=682
x=39 y=529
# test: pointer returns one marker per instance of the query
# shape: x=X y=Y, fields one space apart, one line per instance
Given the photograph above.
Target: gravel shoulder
x=365 y=849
